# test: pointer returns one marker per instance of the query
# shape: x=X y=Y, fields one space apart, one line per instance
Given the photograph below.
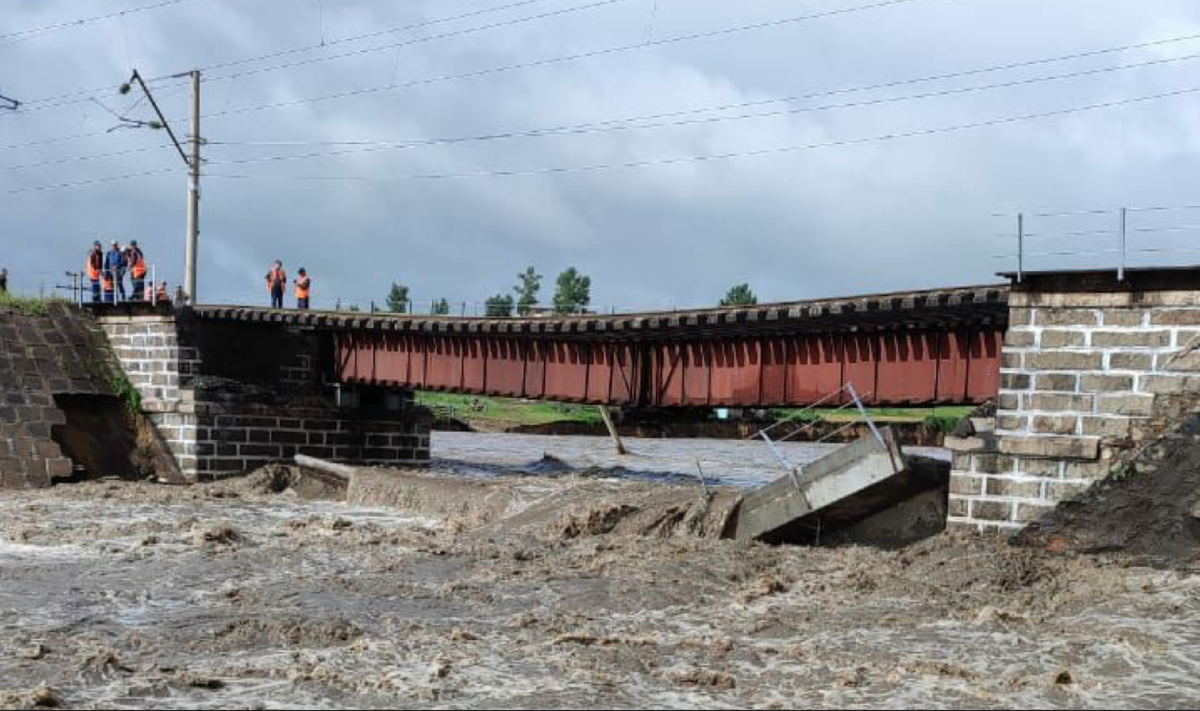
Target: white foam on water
x=26 y=551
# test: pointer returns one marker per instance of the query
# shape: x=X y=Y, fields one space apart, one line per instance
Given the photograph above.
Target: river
x=237 y=594
x=724 y=462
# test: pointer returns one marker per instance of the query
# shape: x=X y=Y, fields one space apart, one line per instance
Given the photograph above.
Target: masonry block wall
x=228 y=398
x=44 y=355
x=1092 y=369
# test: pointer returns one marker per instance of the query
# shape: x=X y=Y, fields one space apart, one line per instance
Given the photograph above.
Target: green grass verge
x=940 y=417
x=509 y=410
x=530 y=412
x=30 y=306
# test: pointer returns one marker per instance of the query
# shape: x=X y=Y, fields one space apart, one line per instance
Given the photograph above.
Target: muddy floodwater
x=738 y=463
x=247 y=593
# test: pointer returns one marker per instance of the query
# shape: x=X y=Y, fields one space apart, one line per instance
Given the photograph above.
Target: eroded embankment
x=253 y=592
x=1147 y=512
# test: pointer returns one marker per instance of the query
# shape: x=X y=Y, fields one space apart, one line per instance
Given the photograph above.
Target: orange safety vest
x=276 y=277
x=138 y=270
x=108 y=281
x=302 y=287
x=94 y=265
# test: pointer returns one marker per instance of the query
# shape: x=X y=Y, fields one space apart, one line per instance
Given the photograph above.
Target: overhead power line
x=571 y=57
x=824 y=93
x=81 y=95
x=734 y=154
x=21 y=35
x=631 y=124
x=406 y=28
x=93 y=181
x=82 y=159
x=619 y=49
x=812 y=95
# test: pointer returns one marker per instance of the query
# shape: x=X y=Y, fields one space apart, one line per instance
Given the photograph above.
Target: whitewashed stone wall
x=1085 y=378
x=161 y=370
x=211 y=438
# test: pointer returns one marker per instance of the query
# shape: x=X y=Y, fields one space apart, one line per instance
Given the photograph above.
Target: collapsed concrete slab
x=867 y=492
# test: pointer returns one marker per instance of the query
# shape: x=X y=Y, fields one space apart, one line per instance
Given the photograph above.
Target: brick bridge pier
x=1093 y=370
x=229 y=397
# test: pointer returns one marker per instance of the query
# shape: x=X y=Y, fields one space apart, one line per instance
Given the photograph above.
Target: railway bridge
x=927 y=347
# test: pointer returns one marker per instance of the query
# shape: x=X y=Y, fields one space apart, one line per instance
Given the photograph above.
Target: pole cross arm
x=9 y=103
x=136 y=77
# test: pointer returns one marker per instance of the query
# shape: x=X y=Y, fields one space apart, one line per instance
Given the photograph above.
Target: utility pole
x=192 y=161
x=193 y=206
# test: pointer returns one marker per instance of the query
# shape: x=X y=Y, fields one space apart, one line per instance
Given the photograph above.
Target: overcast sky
x=449 y=220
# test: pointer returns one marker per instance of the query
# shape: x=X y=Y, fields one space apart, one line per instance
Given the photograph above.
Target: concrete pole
x=193 y=209
x=612 y=429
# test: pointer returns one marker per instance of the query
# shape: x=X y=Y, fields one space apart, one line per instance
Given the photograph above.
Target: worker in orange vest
x=276 y=283
x=303 y=287
x=137 y=269
x=93 y=266
x=110 y=287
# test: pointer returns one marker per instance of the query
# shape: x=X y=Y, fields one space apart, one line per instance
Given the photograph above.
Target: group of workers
x=107 y=270
x=277 y=283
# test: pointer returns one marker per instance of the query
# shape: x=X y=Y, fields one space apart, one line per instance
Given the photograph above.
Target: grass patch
x=507 y=410
x=29 y=306
x=125 y=390
x=535 y=412
x=938 y=417
x=942 y=423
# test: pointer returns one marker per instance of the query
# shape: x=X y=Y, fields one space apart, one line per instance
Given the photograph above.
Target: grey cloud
x=870 y=217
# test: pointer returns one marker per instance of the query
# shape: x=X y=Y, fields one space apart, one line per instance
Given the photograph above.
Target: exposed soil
x=1149 y=513
x=105 y=440
x=560 y=592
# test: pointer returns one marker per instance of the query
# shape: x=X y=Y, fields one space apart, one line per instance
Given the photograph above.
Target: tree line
x=572 y=295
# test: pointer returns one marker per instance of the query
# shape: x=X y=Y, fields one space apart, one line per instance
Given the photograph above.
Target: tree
x=397 y=299
x=527 y=290
x=740 y=295
x=499 y=306
x=440 y=308
x=573 y=293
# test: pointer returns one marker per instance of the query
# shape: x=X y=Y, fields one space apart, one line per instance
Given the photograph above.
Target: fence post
x=1124 y=243
x=1020 y=247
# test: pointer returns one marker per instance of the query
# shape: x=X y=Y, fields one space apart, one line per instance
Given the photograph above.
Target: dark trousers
x=139 y=289
x=277 y=299
x=302 y=303
x=96 y=290
x=121 y=284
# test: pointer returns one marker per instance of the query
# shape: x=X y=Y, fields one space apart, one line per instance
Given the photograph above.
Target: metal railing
x=1127 y=235
x=796 y=471
x=110 y=287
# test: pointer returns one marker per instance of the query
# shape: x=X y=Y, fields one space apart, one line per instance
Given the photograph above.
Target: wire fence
x=1117 y=239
